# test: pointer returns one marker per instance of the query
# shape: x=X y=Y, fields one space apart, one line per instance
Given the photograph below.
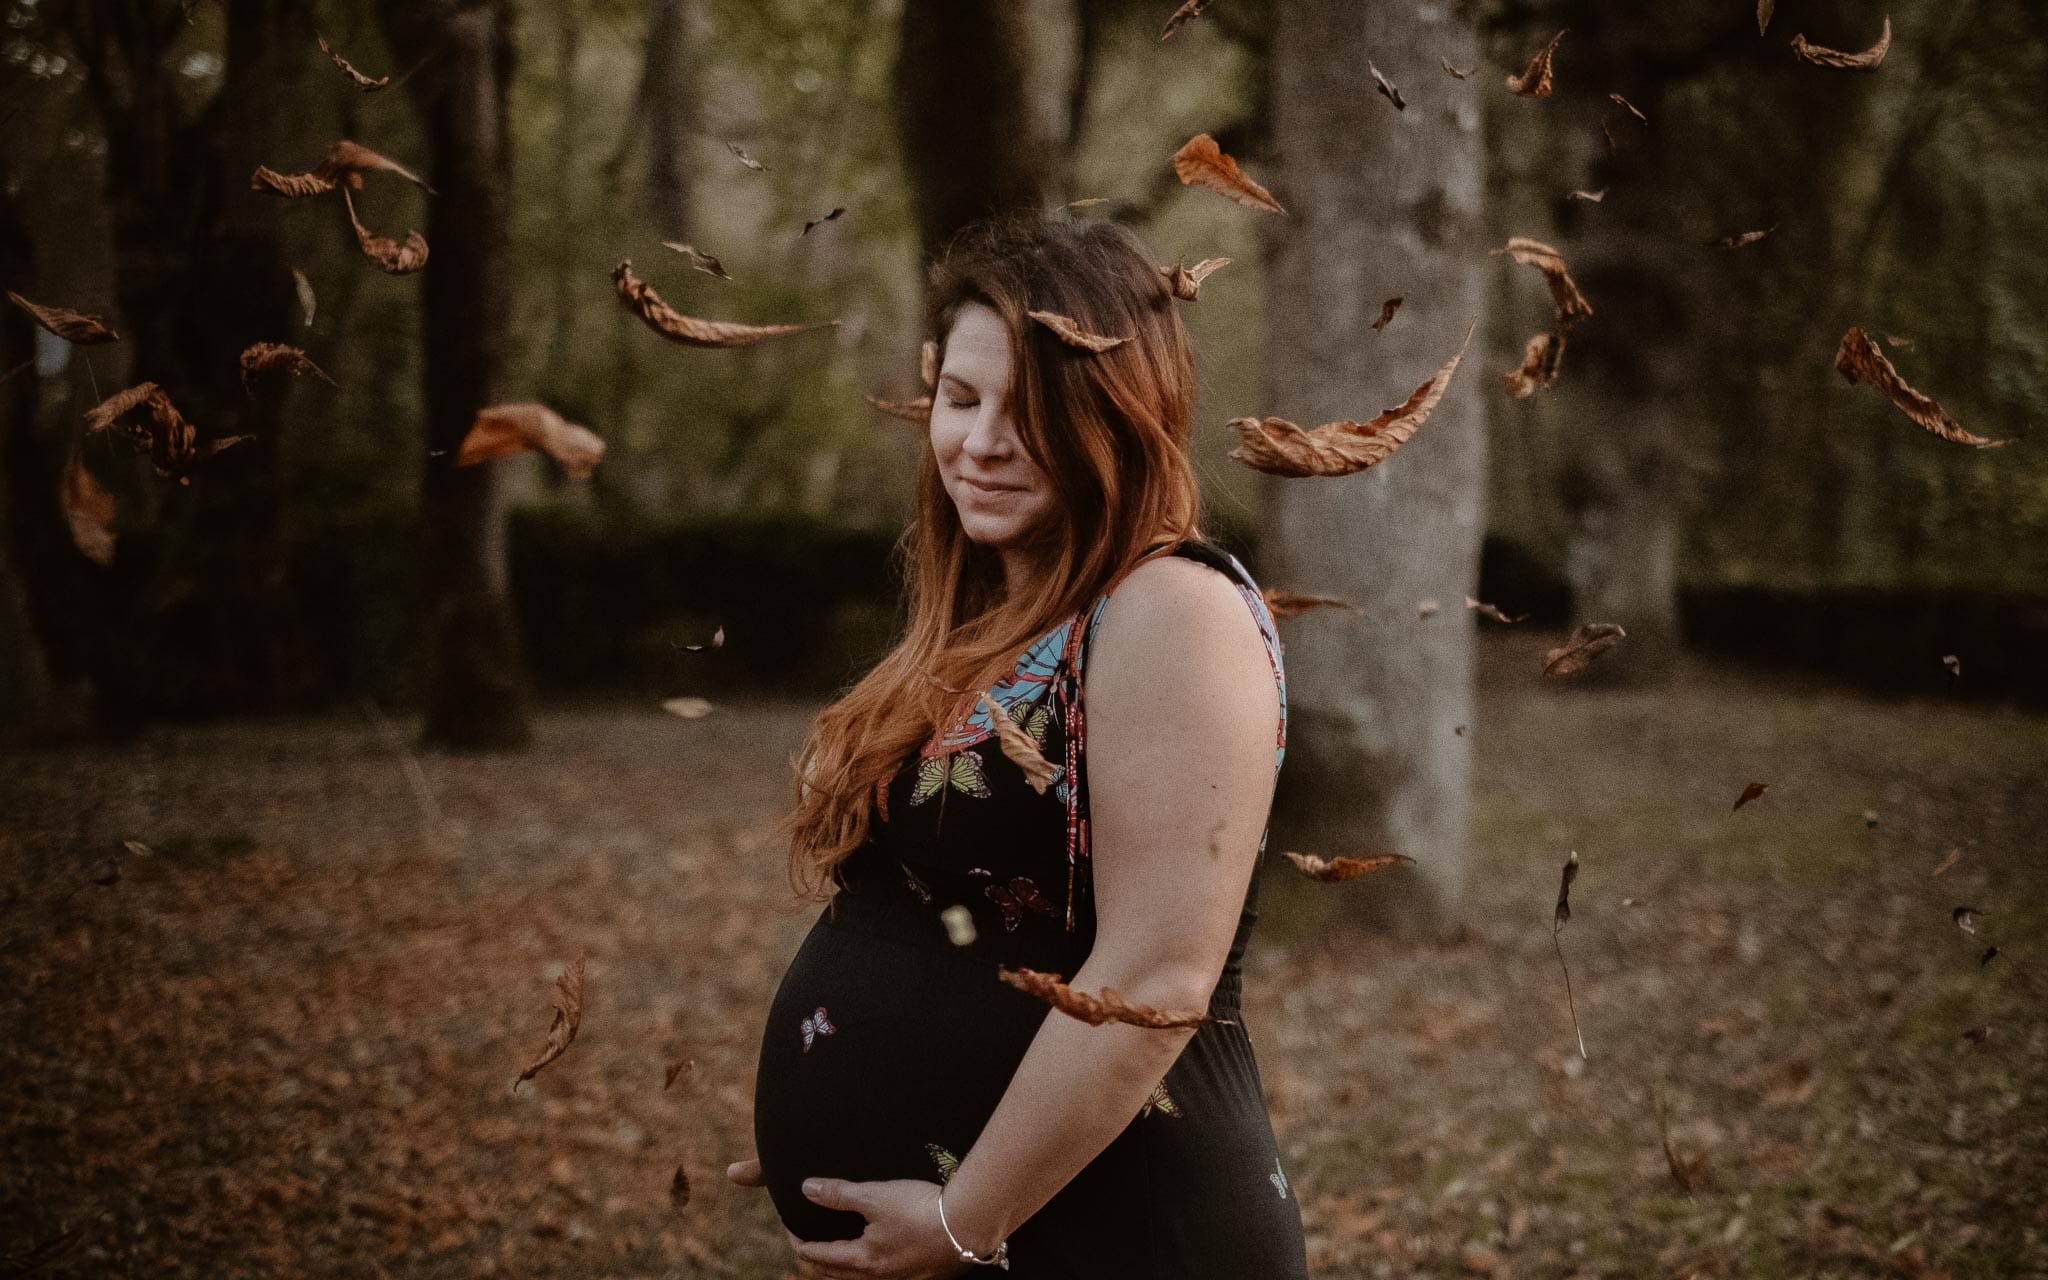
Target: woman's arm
x=1181 y=708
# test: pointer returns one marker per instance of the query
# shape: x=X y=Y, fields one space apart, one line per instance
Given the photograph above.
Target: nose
x=989 y=438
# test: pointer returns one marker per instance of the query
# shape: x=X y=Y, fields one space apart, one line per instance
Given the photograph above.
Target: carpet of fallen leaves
x=282 y=1040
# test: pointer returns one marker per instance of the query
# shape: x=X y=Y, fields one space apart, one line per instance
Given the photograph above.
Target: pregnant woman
x=914 y=1115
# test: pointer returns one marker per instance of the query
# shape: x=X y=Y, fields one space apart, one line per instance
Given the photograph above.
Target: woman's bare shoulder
x=1175 y=613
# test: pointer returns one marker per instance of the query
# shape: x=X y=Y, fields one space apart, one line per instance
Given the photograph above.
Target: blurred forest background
x=220 y=885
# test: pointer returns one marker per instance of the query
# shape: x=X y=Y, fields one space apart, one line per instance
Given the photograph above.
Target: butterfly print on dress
x=1278 y=1178
x=1020 y=895
x=815 y=1026
x=963 y=772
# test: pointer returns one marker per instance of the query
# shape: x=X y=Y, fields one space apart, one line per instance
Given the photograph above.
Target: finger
x=745 y=1173
x=837 y=1193
x=843 y=1255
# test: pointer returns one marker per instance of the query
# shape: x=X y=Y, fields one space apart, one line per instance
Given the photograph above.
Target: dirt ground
x=278 y=1038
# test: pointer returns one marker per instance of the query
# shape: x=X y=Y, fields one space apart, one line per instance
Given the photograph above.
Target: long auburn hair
x=1110 y=430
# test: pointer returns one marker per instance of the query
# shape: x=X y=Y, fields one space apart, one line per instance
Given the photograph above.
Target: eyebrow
x=954 y=377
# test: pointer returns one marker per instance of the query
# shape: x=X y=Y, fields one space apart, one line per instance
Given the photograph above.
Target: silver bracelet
x=999 y=1257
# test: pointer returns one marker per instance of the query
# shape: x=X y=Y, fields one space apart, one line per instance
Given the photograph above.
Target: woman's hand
x=903 y=1239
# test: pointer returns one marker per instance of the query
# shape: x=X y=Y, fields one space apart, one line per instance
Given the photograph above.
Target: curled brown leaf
x=1749 y=793
x=170 y=442
x=641 y=299
x=1074 y=335
x=1590 y=197
x=307 y=302
x=501 y=430
x=1571 y=305
x=1291 y=604
x=88 y=510
x=276 y=357
x=1386 y=87
x=1764 y=9
x=830 y=217
x=1279 y=447
x=1629 y=107
x=568 y=1017
x=745 y=159
x=368 y=84
x=1740 y=240
x=1188 y=11
x=1860 y=360
x=1019 y=748
x=1868 y=60
x=1339 y=869
x=1201 y=163
x=1387 y=310
x=395 y=258
x=1185 y=282
x=1095 y=1011
x=345 y=165
x=1450 y=70
x=1541 y=357
x=1536 y=81
x=1587 y=642
x=699 y=259
x=77 y=327
x=928 y=364
x=917 y=412
x=1486 y=610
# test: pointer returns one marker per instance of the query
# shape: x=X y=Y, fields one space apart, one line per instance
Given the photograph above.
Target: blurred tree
x=1380 y=203
x=474 y=686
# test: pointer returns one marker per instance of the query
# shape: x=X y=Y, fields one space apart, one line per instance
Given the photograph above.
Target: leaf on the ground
x=1858 y=359
x=1536 y=81
x=1450 y=70
x=1966 y=919
x=1074 y=335
x=679 y=1189
x=1188 y=12
x=1387 y=310
x=688 y=708
x=1097 y=1010
x=1201 y=163
x=959 y=922
x=1749 y=793
x=1289 y=604
x=1386 y=87
x=307 y=302
x=1542 y=357
x=1587 y=642
x=77 y=327
x=816 y=222
x=917 y=412
x=88 y=510
x=1948 y=861
x=1339 y=869
x=1590 y=197
x=1867 y=60
x=675 y=1070
x=1019 y=747
x=171 y=443
x=395 y=258
x=368 y=84
x=568 y=1017
x=699 y=259
x=1629 y=107
x=1764 y=9
x=1186 y=282
x=745 y=159
x=1571 y=305
x=1279 y=447
x=1740 y=239
x=501 y=430
x=276 y=357
x=1486 y=610
x=641 y=299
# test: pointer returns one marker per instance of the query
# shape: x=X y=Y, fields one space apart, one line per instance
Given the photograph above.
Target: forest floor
x=280 y=1038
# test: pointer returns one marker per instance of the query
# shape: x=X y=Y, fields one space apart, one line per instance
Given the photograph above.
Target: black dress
x=888 y=1047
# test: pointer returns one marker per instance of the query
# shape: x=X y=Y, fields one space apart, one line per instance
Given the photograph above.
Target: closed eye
x=962 y=404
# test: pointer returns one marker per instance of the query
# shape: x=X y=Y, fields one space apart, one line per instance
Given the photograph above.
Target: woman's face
x=999 y=491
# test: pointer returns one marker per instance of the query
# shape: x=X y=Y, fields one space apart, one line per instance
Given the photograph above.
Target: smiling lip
x=991 y=488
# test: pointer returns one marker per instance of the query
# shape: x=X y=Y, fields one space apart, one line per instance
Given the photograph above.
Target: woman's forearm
x=1077 y=1088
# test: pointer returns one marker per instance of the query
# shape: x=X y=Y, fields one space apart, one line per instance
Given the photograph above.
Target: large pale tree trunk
x=1380 y=203
x=475 y=690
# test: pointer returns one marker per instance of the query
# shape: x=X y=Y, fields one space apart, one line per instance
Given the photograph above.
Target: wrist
x=966 y=1222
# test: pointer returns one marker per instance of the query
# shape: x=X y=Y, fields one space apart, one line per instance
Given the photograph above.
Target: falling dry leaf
x=1201 y=163
x=1859 y=360
x=1279 y=447
x=1764 y=9
x=1629 y=107
x=1289 y=604
x=643 y=301
x=1954 y=665
x=1588 y=642
x=1749 y=793
x=928 y=364
x=917 y=412
x=745 y=159
x=1536 y=81
x=1019 y=747
x=1073 y=335
x=568 y=1016
x=89 y=510
x=679 y=1189
x=276 y=357
x=1742 y=239
x=1386 y=88
x=1186 y=282
x=814 y=222
x=1571 y=305
x=1337 y=870
x=345 y=165
x=501 y=430
x=1109 y=1007
x=395 y=258
x=698 y=258
x=1966 y=919
x=1450 y=70
x=1486 y=610
x=367 y=84
x=1867 y=60
x=1387 y=310
x=72 y=326
x=1559 y=918
x=171 y=442
x=1590 y=197
x=1894 y=341
x=687 y=708
x=1188 y=11
x=1428 y=608
x=305 y=291
x=1947 y=862
x=1541 y=358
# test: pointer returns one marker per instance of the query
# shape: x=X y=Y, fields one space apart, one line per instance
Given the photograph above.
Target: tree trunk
x=26 y=507
x=965 y=114
x=475 y=693
x=666 y=100
x=1380 y=204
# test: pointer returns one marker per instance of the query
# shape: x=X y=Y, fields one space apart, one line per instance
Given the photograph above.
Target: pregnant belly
x=910 y=1057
